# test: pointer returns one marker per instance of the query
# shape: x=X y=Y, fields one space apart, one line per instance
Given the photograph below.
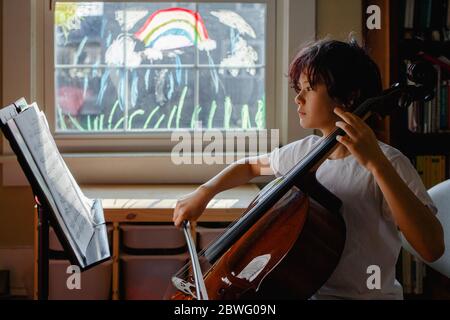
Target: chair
x=440 y=194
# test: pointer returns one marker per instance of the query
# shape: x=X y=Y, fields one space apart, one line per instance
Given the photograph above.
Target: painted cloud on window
x=115 y=55
x=241 y=53
x=233 y=20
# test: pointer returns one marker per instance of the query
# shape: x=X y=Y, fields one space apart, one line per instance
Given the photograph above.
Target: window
x=124 y=67
x=44 y=71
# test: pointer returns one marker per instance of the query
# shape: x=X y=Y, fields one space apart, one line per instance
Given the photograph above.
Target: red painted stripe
x=196 y=16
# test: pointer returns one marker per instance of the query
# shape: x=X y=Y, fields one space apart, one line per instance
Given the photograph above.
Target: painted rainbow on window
x=175 y=28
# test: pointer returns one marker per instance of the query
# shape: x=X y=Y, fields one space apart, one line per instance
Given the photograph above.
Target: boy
x=380 y=189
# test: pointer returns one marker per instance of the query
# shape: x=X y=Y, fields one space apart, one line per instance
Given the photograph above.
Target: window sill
x=125 y=168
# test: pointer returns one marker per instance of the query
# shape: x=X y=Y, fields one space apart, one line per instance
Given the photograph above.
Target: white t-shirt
x=372 y=235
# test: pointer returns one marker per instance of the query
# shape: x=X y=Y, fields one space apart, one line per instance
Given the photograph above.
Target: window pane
x=84 y=31
x=90 y=99
x=133 y=66
x=161 y=98
x=239 y=30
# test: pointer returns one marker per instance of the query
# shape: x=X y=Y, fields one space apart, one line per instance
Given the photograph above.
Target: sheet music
x=71 y=202
x=7 y=114
x=88 y=203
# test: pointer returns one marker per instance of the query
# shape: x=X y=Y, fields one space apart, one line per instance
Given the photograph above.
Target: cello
x=290 y=239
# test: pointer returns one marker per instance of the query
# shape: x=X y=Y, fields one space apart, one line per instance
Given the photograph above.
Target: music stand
x=50 y=212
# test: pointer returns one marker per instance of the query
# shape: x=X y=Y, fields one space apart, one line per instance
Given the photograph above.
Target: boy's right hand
x=191 y=206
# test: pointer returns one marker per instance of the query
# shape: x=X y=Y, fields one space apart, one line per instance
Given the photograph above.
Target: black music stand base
x=43 y=251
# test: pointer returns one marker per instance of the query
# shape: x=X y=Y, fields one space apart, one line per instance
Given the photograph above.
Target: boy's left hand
x=360 y=140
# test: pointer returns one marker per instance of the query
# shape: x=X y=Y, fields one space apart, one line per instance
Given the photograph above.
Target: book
x=448 y=104
x=432 y=169
x=409 y=14
x=443 y=106
x=406 y=271
x=448 y=14
x=435 y=170
x=418 y=267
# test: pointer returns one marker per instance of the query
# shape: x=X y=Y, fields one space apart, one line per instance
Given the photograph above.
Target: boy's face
x=315 y=107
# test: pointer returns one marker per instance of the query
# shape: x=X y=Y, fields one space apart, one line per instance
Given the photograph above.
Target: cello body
x=309 y=241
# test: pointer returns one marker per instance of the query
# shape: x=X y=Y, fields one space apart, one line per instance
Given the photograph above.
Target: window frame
x=146 y=141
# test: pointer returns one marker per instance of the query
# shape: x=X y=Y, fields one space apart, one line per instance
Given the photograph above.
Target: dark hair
x=348 y=72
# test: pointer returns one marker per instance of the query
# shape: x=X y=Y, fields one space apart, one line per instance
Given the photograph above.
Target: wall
x=16 y=213
x=336 y=18
x=16 y=203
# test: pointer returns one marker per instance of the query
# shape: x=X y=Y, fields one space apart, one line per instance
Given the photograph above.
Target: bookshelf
x=409 y=29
